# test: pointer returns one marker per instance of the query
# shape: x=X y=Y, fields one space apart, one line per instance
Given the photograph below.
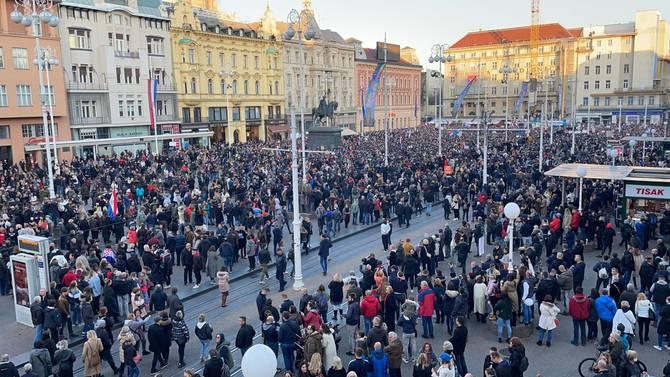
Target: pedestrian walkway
x=17 y=338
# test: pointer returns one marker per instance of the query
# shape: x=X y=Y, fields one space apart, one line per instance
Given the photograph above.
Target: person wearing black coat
x=459 y=340
x=7 y=368
x=410 y=269
x=63 y=360
x=158 y=300
x=517 y=352
x=260 y=303
x=159 y=339
x=390 y=308
x=109 y=300
x=213 y=365
x=245 y=336
x=187 y=262
x=270 y=333
x=107 y=343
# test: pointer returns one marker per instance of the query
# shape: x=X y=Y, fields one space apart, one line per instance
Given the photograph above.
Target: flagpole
x=388 y=108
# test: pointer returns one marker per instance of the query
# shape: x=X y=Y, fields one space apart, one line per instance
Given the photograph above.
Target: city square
x=289 y=189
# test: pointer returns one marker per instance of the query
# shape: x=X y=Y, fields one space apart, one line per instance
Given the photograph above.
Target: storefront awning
x=609 y=172
x=278 y=129
x=348 y=132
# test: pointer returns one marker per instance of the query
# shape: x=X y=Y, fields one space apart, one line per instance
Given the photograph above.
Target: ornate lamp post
x=437 y=55
x=34 y=13
x=511 y=211
x=581 y=172
x=296 y=20
x=227 y=88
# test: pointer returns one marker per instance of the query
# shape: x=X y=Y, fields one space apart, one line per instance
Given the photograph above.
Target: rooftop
x=371 y=56
x=517 y=34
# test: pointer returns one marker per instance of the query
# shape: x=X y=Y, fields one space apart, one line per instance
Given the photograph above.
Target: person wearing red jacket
x=312 y=318
x=69 y=277
x=576 y=219
x=579 y=308
x=426 y=307
x=555 y=224
x=370 y=308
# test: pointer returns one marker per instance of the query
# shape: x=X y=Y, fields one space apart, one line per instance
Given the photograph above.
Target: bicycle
x=586 y=366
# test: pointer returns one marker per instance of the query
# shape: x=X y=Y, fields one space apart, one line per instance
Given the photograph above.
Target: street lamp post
x=574 y=114
x=505 y=71
x=437 y=56
x=632 y=144
x=511 y=211
x=644 y=147
x=297 y=253
x=227 y=87
x=34 y=13
x=297 y=19
x=581 y=172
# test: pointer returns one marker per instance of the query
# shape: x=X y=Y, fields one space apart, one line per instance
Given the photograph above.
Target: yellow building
x=228 y=73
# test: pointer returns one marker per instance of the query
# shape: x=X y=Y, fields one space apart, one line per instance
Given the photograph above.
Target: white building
x=110 y=50
x=624 y=69
x=329 y=71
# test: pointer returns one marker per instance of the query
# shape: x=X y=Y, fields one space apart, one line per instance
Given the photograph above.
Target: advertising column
x=26 y=286
x=38 y=248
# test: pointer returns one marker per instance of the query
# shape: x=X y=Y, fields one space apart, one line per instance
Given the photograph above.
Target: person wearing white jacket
x=643 y=311
x=547 y=322
x=625 y=317
x=386 y=234
x=329 y=347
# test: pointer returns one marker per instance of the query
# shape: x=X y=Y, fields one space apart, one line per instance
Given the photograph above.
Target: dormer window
x=203 y=27
x=241 y=33
x=218 y=29
x=230 y=31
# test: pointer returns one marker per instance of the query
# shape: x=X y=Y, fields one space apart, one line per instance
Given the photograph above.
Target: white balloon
x=259 y=361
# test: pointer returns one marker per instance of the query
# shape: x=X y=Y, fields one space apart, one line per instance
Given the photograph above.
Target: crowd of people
x=213 y=209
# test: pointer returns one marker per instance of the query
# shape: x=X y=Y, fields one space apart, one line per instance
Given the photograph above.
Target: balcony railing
x=166 y=117
x=275 y=122
x=86 y=85
x=127 y=54
x=253 y=122
x=167 y=88
x=75 y=121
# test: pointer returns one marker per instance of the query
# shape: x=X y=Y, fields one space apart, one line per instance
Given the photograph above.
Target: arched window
x=277 y=87
x=185 y=87
x=246 y=87
x=270 y=86
x=210 y=86
x=258 y=87
x=194 y=88
x=234 y=86
x=223 y=86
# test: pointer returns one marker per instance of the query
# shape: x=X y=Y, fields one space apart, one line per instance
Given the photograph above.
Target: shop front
x=646 y=198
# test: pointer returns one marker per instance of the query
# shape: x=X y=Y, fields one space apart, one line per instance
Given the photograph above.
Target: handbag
x=557 y=322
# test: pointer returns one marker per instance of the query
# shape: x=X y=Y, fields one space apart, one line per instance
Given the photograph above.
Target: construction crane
x=534 y=47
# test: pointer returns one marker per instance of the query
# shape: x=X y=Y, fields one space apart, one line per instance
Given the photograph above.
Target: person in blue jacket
x=606 y=308
x=379 y=361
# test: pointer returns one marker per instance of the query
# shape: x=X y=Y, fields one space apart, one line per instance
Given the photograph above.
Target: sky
x=423 y=23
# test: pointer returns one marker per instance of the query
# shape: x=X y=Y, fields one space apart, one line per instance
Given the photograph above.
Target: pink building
x=401 y=101
x=20 y=106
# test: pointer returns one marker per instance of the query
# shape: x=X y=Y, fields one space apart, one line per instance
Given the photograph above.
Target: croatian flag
x=152 y=88
x=113 y=206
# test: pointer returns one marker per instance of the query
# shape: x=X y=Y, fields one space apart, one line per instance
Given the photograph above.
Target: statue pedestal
x=323 y=138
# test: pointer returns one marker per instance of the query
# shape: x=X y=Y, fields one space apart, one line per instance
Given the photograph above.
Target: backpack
x=602 y=273
x=523 y=364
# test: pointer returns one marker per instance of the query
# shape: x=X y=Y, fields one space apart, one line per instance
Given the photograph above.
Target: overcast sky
x=422 y=23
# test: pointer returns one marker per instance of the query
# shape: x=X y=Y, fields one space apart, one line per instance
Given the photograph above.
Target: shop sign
x=647 y=191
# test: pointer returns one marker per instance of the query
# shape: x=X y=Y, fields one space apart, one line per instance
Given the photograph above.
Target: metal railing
x=90 y=120
x=86 y=85
x=167 y=88
x=127 y=54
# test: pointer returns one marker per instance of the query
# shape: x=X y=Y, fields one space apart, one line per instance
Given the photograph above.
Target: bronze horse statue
x=326 y=110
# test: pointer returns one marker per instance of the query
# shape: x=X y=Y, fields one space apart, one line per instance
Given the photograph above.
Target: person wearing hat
x=447 y=368
x=107 y=342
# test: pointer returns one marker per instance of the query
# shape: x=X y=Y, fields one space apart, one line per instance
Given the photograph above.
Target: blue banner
x=461 y=97
x=371 y=96
x=524 y=90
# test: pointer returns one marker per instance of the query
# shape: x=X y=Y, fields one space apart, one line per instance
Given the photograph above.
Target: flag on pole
x=152 y=88
x=371 y=96
x=362 y=104
x=415 y=106
x=113 y=206
x=461 y=97
x=524 y=90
